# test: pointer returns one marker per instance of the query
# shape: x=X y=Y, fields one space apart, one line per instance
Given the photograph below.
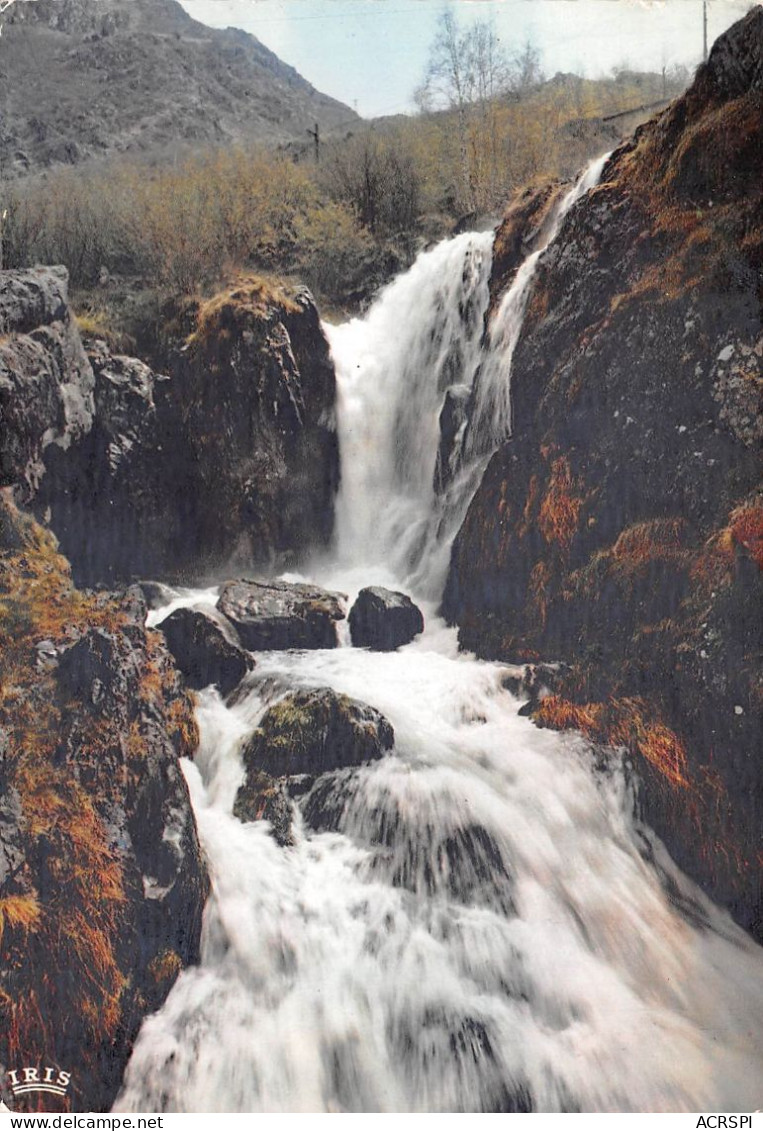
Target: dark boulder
x=264 y=798
x=453 y=418
x=276 y=615
x=202 y=651
x=383 y=619
x=312 y=732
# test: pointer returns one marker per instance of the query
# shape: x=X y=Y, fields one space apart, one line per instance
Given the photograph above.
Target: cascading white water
x=491 y=421
x=474 y=923
x=422 y=337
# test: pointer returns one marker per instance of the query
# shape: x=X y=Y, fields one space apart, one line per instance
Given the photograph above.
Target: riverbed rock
x=384 y=619
x=306 y=735
x=202 y=651
x=265 y=798
x=277 y=615
x=620 y=528
x=312 y=732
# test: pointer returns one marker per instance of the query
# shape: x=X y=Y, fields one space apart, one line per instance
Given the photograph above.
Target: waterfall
x=422 y=338
x=475 y=923
x=425 y=339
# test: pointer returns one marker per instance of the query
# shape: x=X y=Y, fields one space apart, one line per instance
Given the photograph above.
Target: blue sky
x=371 y=54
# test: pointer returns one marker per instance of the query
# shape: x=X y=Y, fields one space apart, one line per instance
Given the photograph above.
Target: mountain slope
x=82 y=78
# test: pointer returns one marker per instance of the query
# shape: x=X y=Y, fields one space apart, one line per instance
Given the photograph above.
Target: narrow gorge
x=380 y=709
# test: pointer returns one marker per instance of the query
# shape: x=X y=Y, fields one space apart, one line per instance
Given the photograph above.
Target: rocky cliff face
x=46 y=383
x=102 y=885
x=621 y=528
x=230 y=459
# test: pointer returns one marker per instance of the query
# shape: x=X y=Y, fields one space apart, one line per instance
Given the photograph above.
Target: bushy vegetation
x=343 y=224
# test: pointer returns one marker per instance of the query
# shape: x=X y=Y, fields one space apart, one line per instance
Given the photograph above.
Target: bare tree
x=467 y=70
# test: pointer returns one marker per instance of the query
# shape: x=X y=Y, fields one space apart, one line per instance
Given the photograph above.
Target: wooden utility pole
x=315 y=135
x=704 y=31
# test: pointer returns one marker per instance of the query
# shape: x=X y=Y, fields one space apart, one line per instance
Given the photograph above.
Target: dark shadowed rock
x=305 y=735
x=231 y=458
x=620 y=529
x=276 y=615
x=312 y=732
x=383 y=619
x=264 y=798
x=203 y=653
x=453 y=418
x=98 y=840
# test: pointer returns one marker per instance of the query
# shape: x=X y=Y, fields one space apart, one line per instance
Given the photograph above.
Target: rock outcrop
x=306 y=735
x=46 y=383
x=117 y=498
x=102 y=884
x=255 y=389
x=232 y=458
x=203 y=651
x=620 y=530
x=277 y=615
x=383 y=619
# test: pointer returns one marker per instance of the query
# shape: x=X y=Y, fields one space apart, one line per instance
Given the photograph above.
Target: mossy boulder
x=306 y=735
x=312 y=732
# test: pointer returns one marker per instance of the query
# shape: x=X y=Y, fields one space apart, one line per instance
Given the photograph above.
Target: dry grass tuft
x=249 y=296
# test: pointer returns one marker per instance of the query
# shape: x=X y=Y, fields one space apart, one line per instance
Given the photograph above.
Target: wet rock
x=203 y=653
x=306 y=735
x=277 y=615
x=156 y=594
x=264 y=798
x=312 y=732
x=453 y=418
x=383 y=619
x=534 y=681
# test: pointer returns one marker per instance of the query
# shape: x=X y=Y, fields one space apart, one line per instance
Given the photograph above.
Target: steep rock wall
x=620 y=529
x=102 y=883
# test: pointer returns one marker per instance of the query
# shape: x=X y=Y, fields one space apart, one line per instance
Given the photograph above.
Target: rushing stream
x=474 y=923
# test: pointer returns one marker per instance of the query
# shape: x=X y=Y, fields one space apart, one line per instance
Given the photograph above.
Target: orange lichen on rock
x=747 y=531
x=559 y=514
x=659 y=539
x=558 y=713
x=538 y=590
x=621 y=722
x=743 y=535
